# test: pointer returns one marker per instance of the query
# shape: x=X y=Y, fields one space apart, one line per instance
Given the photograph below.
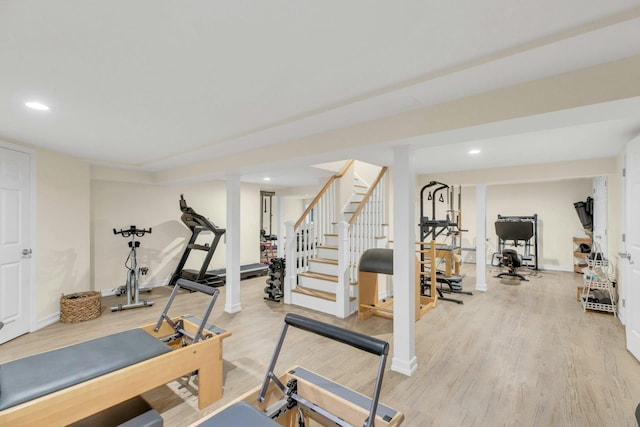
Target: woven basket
x=80 y=306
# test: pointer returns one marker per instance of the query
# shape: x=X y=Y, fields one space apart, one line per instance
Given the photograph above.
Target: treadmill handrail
x=192 y=220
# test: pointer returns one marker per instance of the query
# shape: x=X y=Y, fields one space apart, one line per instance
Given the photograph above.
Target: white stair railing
x=303 y=237
x=367 y=224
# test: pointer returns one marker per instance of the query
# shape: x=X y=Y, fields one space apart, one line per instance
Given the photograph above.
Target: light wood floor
x=522 y=354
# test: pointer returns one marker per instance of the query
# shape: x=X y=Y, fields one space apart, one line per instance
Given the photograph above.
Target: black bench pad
x=34 y=376
x=239 y=414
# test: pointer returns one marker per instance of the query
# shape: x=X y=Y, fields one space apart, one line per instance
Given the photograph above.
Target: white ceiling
x=154 y=85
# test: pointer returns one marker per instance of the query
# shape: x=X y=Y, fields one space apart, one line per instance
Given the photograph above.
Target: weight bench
x=308 y=395
x=68 y=384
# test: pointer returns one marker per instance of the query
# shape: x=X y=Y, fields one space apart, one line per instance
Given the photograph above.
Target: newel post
x=291 y=261
x=342 y=289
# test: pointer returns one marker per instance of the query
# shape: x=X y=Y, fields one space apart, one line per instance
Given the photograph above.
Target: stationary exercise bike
x=133 y=273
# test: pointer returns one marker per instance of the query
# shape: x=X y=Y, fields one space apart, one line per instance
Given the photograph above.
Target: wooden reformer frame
x=369 y=303
x=312 y=396
x=87 y=398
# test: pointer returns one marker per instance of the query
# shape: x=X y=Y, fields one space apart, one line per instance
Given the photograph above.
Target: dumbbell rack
x=596 y=276
x=275 y=280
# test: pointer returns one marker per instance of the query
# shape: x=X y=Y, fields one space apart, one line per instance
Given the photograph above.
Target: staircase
x=327 y=251
x=316 y=287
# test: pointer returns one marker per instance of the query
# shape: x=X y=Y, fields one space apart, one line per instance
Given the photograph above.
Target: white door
x=600 y=220
x=632 y=239
x=15 y=243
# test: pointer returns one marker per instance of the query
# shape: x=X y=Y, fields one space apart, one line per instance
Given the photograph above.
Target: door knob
x=26 y=252
x=625 y=255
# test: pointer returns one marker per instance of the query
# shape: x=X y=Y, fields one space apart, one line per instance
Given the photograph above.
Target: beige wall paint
x=62 y=229
x=557 y=219
x=293 y=208
x=367 y=171
x=119 y=205
x=552 y=201
x=548 y=190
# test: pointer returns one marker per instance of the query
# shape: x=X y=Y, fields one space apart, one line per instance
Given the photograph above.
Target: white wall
x=552 y=201
x=557 y=219
x=548 y=190
x=366 y=171
x=62 y=230
x=119 y=205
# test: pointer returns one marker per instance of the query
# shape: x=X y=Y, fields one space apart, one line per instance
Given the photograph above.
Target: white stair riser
x=381 y=242
x=331 y=240
x=328 y=253
x=352 y=206
x=318 y=284
x=318 y=304
x=322 y=268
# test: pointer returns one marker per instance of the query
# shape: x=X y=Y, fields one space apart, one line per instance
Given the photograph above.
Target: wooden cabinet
x=580 y=253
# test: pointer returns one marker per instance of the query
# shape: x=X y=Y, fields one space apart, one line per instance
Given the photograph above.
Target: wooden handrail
x=367 y=196
x=321 y=193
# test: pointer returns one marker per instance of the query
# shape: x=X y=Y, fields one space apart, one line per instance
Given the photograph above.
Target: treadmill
x=197 y=224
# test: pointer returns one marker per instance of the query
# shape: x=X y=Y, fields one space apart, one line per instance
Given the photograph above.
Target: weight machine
x=517 y=232
x=197 y=224
x=133 y=273
x=431 y=229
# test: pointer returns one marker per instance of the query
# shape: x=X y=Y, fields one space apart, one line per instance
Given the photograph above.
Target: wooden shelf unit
x=579 y=257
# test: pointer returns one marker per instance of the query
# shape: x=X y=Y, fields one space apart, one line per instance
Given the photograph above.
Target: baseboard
x=556 y=268
x=112 y=292
x=406 y=367
x=542 y=267
x=49 y=320
x=482 y=287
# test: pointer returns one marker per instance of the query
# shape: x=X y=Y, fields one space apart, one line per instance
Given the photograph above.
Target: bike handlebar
x=132 y=230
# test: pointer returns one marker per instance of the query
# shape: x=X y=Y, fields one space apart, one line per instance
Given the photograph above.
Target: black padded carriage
x=31 y=377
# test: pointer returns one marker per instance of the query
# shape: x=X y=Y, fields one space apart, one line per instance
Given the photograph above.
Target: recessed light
x=35 y=105
x=474 y=151
x=266 y=178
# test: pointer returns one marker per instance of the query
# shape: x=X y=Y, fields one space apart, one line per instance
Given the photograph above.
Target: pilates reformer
x=68 y=384
x=380 y=261
x=298 y=396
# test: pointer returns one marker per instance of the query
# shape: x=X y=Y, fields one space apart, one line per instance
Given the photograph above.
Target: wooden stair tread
x=324 y=261
x=317 y=294
x=327 y=247
x=320 y=276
